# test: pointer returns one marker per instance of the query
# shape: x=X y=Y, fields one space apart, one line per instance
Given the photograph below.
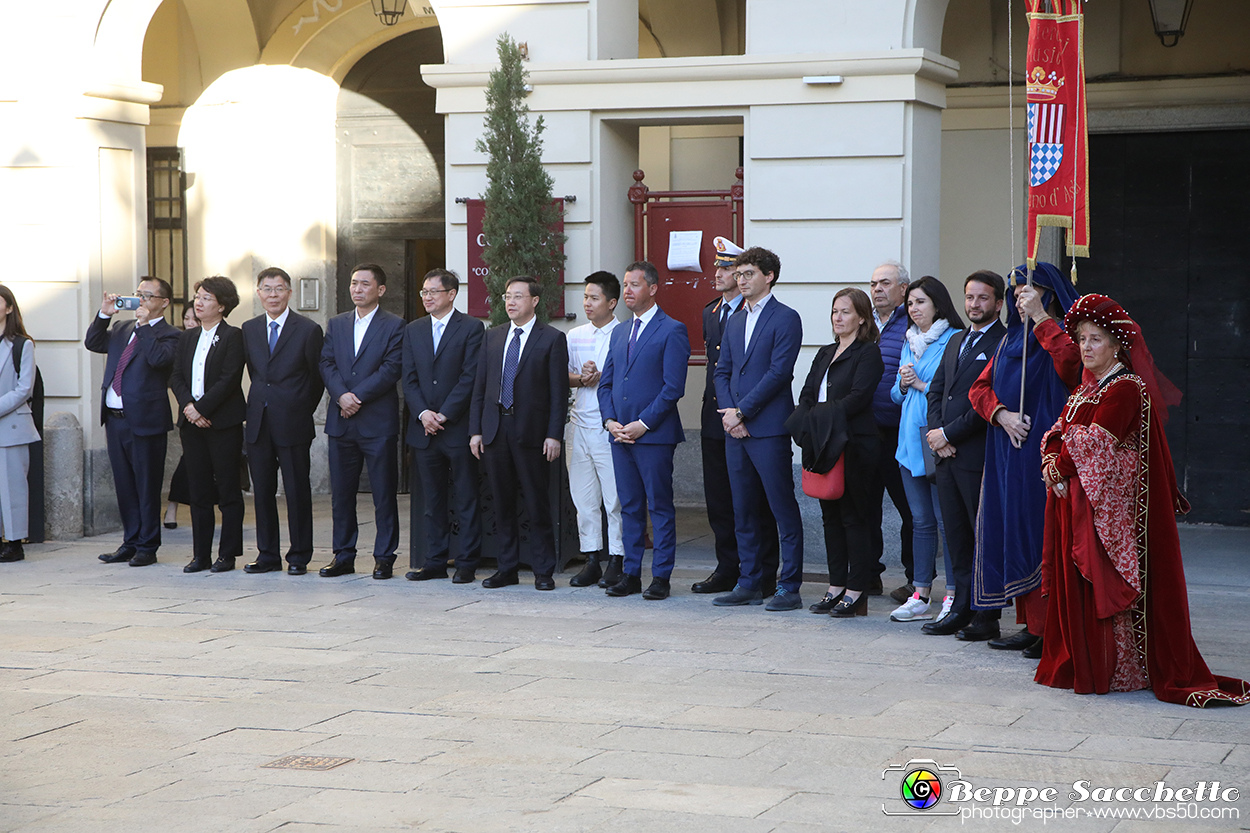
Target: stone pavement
x=143 y=699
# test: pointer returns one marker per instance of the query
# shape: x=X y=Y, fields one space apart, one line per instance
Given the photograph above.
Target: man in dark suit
x=516 y=420
x=134 y=410
x=283 y=350
x=716 y=485
x=957 y=437
x=441 y=354
x=361 y=361
x=753 y=376
x=643 y=378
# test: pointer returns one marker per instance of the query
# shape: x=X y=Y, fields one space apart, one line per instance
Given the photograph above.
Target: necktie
x=126 y=355
x=724 y=316
x=969 y=340
x=273 y=336
x=633 y=339
x=438 y=334
x=510 y=362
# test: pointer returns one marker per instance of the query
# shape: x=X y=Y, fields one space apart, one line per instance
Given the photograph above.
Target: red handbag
x=827 y=486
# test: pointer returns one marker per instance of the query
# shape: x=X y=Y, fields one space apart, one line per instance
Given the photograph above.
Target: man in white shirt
x=592 y=481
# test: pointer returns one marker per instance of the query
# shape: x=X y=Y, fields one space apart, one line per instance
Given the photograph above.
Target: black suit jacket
x=222 y=402
x=441 y=382
x=288 y=383
x=145 y=383
x=949 y=407
x=371 y=374
x=541 y=396
x=710 y=421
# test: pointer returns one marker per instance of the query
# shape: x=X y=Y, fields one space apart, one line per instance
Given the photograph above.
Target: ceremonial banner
x=1057 y=132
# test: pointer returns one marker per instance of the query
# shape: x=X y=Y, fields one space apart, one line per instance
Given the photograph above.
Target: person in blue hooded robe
x=1007 y=564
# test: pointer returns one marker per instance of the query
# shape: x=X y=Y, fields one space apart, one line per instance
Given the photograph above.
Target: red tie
x=127 y=354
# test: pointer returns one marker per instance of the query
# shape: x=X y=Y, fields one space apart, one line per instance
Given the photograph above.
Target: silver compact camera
x=128 y=302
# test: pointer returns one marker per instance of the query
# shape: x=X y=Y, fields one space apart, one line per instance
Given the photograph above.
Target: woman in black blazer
x=835 y=411
x=207 y=382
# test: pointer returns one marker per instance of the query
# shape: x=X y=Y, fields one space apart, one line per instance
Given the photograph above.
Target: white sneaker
x=947 y=603
x=911 y=610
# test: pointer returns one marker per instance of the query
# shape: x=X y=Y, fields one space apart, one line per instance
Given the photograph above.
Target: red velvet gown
x=1118 y=610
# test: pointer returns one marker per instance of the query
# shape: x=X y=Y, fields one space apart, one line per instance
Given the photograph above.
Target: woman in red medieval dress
x=1118 y=612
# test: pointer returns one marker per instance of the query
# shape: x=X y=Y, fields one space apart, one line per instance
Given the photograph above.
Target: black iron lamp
x=1170 y=17
x=390 y=11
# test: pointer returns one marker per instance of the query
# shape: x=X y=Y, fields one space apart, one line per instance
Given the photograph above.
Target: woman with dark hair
x=17 y=426
x=179 y=488
x=834 y=419
x=1118 y=614
x=206 y=381
x=934 y=321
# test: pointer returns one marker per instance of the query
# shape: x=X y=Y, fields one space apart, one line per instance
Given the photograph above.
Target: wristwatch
x=738 y=414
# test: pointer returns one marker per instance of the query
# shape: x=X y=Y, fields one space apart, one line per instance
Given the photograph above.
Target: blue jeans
x=926 y=516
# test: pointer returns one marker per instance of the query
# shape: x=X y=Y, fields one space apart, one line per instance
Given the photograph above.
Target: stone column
x=63 y=481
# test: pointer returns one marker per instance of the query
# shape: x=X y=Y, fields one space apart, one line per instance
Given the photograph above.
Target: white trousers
x=592 y=482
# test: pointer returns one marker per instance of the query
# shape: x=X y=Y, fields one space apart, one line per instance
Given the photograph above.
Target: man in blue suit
x=642 y=379
x=753 y=375
x=134 y=410
x=361 y=361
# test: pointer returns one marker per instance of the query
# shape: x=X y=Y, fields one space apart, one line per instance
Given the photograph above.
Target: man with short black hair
x=134 y=410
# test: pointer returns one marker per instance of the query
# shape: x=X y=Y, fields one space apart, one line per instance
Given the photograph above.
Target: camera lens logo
x=921 y=789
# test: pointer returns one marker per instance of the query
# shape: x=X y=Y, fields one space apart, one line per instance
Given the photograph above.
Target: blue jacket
x=371 y=375
x=884 y=409
x=915 y=404
x=756 y=380
x=647 y=385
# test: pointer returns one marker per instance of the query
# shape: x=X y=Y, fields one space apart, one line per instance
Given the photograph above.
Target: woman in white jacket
x=17 y=426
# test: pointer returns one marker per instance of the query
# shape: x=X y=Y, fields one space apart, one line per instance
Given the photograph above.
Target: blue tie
x=510 y=362
x=273 y=336
x=633 y=339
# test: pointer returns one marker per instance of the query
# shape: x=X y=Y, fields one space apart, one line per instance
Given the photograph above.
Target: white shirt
x=526 y=329
x=280 y=321
x=111 y=399
x=438 y=326
x=360 y=325
x=199 y=362
x=645 y=318
x=588 y=343
x=753 y=318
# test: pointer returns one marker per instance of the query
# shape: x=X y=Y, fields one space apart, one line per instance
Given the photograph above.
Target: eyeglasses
x=145 y=296
x=273 y=290
x=430 y=293
x=514 y=296
x=746 y=274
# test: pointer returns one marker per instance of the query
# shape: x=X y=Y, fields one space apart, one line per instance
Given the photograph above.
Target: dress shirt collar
x=758 y=306
x=526 y=328
x=363 y=320
x=280 y=320
x=445 y=320
x=606 y=328
x=647 y=316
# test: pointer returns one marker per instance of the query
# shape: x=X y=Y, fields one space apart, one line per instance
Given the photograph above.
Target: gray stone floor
x=148 y=700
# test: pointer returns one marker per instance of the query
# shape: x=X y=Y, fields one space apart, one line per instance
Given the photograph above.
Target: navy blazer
x=145 y=384
x=709 y=419
x=441 y=382
x=541 y=388
x=949 y=407
x=757 y=380
x=647 y=385
x=371 y=375
x=222 y=403
x=288 y=383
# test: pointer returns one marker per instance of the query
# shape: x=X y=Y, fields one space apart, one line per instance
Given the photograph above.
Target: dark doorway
x=1170 y=235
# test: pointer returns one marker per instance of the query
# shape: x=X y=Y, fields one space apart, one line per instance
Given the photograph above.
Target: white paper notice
x=683 y=251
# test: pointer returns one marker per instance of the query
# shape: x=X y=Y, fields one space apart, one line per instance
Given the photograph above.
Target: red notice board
x=479 y=302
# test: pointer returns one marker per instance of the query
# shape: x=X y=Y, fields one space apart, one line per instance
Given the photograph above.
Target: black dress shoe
x=12 y=551
x=616 y=569
x=979 y=631
x=464 y=575
x=117 y=557
x=1034 y=651
x=171 y=524
x=296 y=570
x=338 y=568
x=222 y=565
x=1016 y=642
x=876 y=588
x=715 y=583
x=262 y=567
x=382 y=570
x=590 y=574
x=501 y=578
x=627 y=586
x=847 y=609
x=544 y=583
x=143 y=559
x=426 y=574
x=196 y=566
x=659 y=589
x=949 y=624
x=827 y=603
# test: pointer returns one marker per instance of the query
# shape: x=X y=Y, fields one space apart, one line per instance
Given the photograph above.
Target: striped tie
x=122 y=362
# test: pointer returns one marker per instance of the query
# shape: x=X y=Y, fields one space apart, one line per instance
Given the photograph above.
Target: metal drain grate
x=317 y=762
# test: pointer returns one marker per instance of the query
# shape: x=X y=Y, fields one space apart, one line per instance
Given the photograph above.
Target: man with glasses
x=283 y=352
x=441 y=352
x=516 y=420
x=134 y=410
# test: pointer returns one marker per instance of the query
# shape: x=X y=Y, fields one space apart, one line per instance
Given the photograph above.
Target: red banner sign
x=479 y=298
x=1057 y=132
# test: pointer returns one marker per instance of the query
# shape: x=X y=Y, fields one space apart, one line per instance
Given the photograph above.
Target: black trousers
x=138 y=463
x=449 y=470
x=959 y=494
x=348 y=455
x=213 y=457
x=509 y=466
x=720 y=516
x=891 y=481
x=265 y=459
x=848 y=520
